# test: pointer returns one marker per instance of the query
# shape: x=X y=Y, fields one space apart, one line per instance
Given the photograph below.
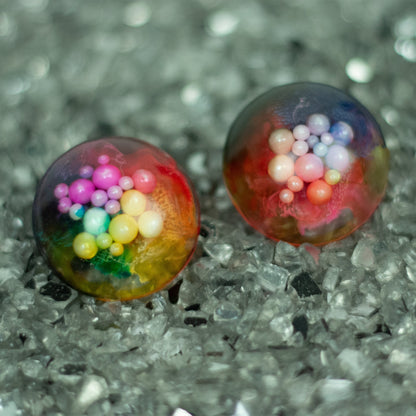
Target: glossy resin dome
x=305 y=162
x=116 y=218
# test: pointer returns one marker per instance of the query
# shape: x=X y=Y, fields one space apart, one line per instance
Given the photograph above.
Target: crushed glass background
x=239 y=334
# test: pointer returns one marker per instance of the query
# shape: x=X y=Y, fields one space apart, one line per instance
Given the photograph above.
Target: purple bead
x=86 y=171
x=338 y=158
x=61 y=190
x=99 y=198
x=342 y=132
x=114 y=192
x=126 y=183
x=327 y=138
x=105 y=176
x=64 y=205
x=103 y=159
x=318 y=124
x=112 y=207
x=81 y=190
x=312 y=140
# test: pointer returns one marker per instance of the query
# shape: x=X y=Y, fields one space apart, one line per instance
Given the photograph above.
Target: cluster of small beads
x=314 y=153
x=113 y=208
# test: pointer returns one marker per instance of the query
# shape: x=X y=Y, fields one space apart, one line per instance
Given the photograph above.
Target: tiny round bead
x=144 y=181
x=327 y=138
x=281 y=168
x=64 y=205
x=86 y=172
x=114 y=192
x=312 y=141
x=309 y=167
x=332 y=177
x=112 y=207
x=116 y=249
x=99 y=198
x=320 y=149
x=342 y=133
x=318 y=124
x=300 y=147
x=103 y=240
x=301 y=132
x=76 y=212
x=84 y=246
x=319 y=192
x=337 y=158
x=103 y=159
x=96 y=221
x=281 y=141
x=126 y=183
x=295 y=184
x=286 y=196
x=80 y=191
x=150 y=224
x=105 y=176
x=61 y=190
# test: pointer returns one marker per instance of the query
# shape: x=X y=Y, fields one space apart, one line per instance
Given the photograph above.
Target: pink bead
x=286 y=196
x=86 y=172
x=114 y=192
x=64 y=205
x=144 y=181
x=105 y=176
x=295 y=184
x=126 y=183
x=112 y=207
x=309 y=167
x=80 y=191
x=99 y=198
x=301 y=132
x=61 y=190
x=103 y=159
x=300 y=147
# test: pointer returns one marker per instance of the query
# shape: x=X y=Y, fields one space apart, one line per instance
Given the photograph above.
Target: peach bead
x=300 y=147
x=281 y=168
x=281 y=141
x=286 y=196
x=319 y=192
x=309 y=167
x=295 y=184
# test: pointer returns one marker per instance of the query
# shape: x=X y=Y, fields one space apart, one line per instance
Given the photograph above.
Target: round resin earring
x=305 y=162
x=116 y=218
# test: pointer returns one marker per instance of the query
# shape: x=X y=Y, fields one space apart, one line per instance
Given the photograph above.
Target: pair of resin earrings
x=116 y=218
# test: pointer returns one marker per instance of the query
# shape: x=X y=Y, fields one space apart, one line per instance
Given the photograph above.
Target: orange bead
x=319 y=192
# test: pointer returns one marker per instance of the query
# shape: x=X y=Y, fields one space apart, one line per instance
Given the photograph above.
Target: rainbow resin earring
x=305 y=162
x=116 y=218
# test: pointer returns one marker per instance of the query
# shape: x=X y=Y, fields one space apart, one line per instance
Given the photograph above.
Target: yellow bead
x=116 y=249
x=85 y=246
x=150 y=224
x=104 y=240
x=332 y=177
x=133 y=202
x=123 y=228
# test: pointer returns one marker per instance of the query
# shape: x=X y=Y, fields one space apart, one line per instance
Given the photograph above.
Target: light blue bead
x=96 y=221
x=312 y=140
x=320 y=149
